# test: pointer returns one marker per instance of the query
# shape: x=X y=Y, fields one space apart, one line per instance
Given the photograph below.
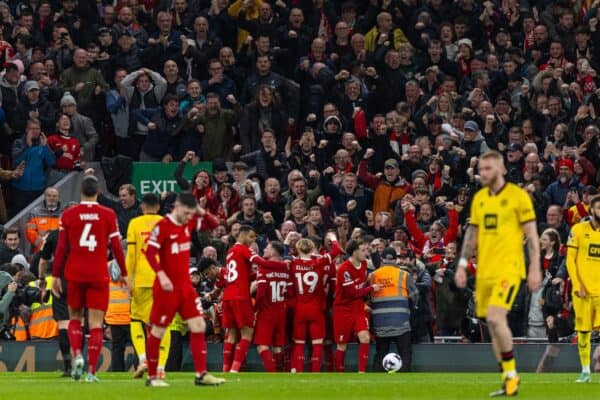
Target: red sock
x=240 y=355
x=152 y=349
x=328 y=353
x=316 y=359
x=227 y=355
x=363 y=356
x=267 y=359
x=75 y=336
x=338 y=360
x=298 y=357
x=279 y=357
x=94 y=348
x=198 y=349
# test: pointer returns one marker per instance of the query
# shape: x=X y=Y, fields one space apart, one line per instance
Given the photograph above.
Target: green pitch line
x=260 y=386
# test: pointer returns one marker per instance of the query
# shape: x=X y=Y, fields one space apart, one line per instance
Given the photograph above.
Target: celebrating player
x=84 y=232
x=141 y=278
x=583 y=264
x=308 y=275
x=349 y=315
x=168 y=253
x=501 y=213
x=271 y=292
x=238 y=315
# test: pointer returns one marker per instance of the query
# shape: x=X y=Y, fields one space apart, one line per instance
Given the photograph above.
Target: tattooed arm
x=468 y=249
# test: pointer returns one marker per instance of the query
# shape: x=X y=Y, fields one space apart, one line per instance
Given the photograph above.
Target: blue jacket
x=557 y=192
x=223 y=89
x=37 y=160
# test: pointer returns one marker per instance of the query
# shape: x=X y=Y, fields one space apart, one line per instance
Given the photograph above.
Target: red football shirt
x=239 y=268
x=85 y=231
x=272 y=286
x=70 y=148
x=172 y=240
x=351 y=287
x=308 y=278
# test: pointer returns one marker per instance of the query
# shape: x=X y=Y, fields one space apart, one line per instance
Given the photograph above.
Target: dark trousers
x=403 y=347
x=175 y=360
x=136 y=142
x=120 y=339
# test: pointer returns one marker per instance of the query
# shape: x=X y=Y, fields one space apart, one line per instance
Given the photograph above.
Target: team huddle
x=293 y=296
x=308 y=297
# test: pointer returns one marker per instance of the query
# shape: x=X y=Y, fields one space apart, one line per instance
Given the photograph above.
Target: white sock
x=142 y=358
x=585 y=369
x=160 y=368
x=511 y=374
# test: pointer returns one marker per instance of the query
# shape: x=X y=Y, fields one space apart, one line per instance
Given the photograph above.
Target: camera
x=27 y=295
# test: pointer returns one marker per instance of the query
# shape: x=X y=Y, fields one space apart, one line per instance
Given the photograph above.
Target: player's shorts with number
x=587 y=313
x=183 y=300
x=141 y=304
x=309 y=315
x=347 y=322
x=497 y=292
x=238 y=314
x=269 y=329
x=88 y=295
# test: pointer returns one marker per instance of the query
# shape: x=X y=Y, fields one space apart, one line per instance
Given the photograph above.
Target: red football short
x=183 y=300
x=238 y=314
x=90 y=295
x=347 y=323
x=269 y=329
x=309 y=315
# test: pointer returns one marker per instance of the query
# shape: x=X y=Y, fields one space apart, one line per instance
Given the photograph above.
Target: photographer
x=8 y=288
x=16 y=298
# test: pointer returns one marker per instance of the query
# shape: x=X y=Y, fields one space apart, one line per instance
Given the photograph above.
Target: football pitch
x=438 y=386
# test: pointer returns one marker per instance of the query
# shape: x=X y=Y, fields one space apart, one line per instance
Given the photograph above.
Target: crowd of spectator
x=363 y=118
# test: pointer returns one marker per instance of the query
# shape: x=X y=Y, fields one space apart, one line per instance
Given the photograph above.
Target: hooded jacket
x=476 y=147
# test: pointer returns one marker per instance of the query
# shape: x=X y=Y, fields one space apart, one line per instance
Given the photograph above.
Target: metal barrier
x=68 y=187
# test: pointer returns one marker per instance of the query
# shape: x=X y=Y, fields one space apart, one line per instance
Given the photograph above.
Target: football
x=392 y=362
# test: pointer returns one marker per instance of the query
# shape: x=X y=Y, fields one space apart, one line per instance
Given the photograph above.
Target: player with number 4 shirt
x=85 y=231
x=238 y=314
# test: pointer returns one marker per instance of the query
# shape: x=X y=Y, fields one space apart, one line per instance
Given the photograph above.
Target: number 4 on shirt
x=87 y=240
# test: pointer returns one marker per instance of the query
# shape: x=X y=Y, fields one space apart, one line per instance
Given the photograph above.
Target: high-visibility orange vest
x=41 y=323
x=21 y=334
x=118 y=312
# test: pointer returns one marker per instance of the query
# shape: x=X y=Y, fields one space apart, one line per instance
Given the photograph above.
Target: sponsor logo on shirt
x=490 y=221
x=594 y=250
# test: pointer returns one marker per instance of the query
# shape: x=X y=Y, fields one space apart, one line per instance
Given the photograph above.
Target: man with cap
x=391 y=306
x=127 y=54
x=35 y=107
x=82 y=127
x=565 y=183
x=515 y=163
x=388 y=189
x=473 y=141
x=581 y=206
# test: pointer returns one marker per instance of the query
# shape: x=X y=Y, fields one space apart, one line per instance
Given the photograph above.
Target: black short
x=60 y=310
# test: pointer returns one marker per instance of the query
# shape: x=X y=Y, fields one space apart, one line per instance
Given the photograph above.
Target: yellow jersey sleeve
x=525 y=210
x=573 y=240
x=131 y=249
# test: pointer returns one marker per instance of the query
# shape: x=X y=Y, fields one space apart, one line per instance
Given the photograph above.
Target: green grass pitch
x=259 y=386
